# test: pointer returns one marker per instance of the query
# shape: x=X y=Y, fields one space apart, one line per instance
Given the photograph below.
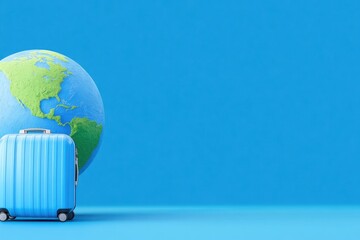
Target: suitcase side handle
x=76 y=167
x=43 y=130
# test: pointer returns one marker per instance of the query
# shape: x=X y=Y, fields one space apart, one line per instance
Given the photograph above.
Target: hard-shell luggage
x=38 y=175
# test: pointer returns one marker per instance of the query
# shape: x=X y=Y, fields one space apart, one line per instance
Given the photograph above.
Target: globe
x=45 y=89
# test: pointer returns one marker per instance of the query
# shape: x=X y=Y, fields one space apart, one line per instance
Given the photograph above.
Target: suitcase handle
x=76 y=167
x=43 y=130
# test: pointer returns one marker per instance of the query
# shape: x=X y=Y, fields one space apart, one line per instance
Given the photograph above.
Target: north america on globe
x=45 y=89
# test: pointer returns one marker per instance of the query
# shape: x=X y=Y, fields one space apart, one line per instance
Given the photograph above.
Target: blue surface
x=211 y=102
x=197 y=223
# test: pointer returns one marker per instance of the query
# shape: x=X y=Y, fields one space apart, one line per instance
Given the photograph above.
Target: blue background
x=211 y=102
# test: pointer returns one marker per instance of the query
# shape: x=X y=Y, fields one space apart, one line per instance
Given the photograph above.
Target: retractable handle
x=28 y=130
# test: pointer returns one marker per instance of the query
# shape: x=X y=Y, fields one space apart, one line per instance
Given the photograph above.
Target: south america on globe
x=45 y=89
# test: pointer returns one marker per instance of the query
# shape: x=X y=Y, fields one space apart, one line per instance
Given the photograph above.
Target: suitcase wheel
x=4 y=216
x=62 y=217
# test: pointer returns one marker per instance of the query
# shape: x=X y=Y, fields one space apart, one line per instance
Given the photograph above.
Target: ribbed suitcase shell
x=37 y=174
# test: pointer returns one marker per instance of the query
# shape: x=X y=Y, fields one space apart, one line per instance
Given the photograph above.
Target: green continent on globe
x=45 y=82
x=86 y=133
x=39 y=77
x=50 y=53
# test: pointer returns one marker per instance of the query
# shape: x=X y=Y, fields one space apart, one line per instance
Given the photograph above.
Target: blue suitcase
x=38 y=175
